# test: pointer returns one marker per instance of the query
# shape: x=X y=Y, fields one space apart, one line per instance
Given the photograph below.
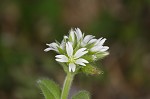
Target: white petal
x=83 y=44
x=47 y=49
x=81 y=64
x=59 y=60
x=78 y=33
x=88 y=38
x=106 y=53
x=62 y=57
x=81 y=61
x=72 y=67
x=69 y=49
x=104 y=48
x=53 y=46
x=98 y=41
x=65 y=37
x=96 y=48
x=80 y=52
x=92 y=41
x=71 y=34
x=102 y=42
x=62 y=45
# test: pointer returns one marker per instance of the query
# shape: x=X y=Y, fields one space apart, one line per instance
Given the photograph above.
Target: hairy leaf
x=50 y=89
x=82 y=95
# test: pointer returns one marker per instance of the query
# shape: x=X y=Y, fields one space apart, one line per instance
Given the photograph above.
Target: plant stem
x=67 y=85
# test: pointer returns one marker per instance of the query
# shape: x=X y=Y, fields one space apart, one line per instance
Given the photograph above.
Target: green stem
x=67 y=85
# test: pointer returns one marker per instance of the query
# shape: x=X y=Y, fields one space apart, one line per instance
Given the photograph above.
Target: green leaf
x=45 y=91
x=50 y=89
x=82 y=95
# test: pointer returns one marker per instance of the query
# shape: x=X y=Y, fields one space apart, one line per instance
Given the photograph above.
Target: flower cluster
x=77 y=50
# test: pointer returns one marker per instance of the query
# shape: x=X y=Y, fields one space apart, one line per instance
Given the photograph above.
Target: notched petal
x=81 y=61
x=80 y=52
x=72 y=67
x=69 y=49
x=61 y=58
x=47 y=49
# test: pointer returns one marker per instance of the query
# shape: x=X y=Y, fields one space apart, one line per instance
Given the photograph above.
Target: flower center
x=71 y=60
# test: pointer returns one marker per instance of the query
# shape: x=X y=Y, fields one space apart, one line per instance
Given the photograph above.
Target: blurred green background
x=27 y=25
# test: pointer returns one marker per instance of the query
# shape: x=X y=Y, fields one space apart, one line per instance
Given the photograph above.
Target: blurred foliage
x=27 y=25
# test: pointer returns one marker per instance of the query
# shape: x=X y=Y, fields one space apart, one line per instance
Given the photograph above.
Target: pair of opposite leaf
x=51 y=90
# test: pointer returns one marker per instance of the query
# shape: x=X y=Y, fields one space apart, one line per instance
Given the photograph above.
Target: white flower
x=98 y=46
x=52 y=46
x=78 y=50
x=71 y=58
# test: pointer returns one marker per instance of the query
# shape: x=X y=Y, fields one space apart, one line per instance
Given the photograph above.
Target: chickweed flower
x=71 y=58
x=77 y=50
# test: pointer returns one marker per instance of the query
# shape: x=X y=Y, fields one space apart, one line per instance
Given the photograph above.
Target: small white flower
x=92 y=41
x=52 y=46
x=72 y=59
x=98 y=46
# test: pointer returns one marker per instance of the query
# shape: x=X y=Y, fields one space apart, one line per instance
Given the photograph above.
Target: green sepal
x=88 y=57
x=101 y=55
x=65 y=66
x=91 y=70
x=49 y=88
x=57 y=42
x=77 y=46
x=82 y=95
x=95 y=56
x=60 y=50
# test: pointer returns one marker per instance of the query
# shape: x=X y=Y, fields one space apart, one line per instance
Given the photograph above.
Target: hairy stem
x=67 y=85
